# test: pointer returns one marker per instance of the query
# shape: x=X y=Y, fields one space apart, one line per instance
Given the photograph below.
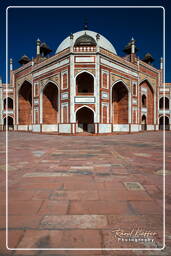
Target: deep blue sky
x=53 y=25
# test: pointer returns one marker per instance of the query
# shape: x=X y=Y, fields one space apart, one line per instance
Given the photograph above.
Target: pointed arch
x=9 y=121
x=120 y=102
x=164 y=122
x=164 y=102
x=85 y=107
x=50 y=103
x=24 y=81
x=120 y=81
x=8 y=103
x=146 y=80
x=84 y=83
x=85 y=71
x=144 y=122
x=85 y=118
x=146 y=86
x=47 y=82
x=25 y=103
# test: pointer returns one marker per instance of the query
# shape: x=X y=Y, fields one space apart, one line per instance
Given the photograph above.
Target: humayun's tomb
x=85 y=87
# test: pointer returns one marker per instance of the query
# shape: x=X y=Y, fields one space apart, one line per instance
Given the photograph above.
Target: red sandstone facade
x=86 y=86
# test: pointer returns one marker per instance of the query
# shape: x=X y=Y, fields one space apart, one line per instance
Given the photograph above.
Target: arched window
x=134 y=90
x=144 y=101
x=85 y=83
x=161 y=103
x=8 y=103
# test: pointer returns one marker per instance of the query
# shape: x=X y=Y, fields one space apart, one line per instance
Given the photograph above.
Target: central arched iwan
x=50 y=104
x=120 y=103
x=25 y=103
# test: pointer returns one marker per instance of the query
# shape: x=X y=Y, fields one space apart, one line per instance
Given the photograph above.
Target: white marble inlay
x=7 y=90
x=134 y=127
x=162 y=111
x=36 y=101
x=106 y=62
x=49 y=127
x=121 y=127
x=150 y=127
x=84 y=59
x=105 y=95
x=36 y=128
x=144 y=110
x=65 y=128
x=8 y=111
x=134 y=101
x=143 y=89
x=84 y=99
x=105 y=128
x=164 y=90
x=64 y=96
x=57 y=65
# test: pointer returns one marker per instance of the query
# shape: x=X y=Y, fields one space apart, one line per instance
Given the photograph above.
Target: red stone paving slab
x=123 y=195
x=50 y=207
x=18 y=195
x=41 y=195
x=98 y=207
x=79 y=186
x=38 y=186
x=75 y=195
x=146 y=207
x=81 y=239
x=24 y=207
x=24 y=221
x=74 y=222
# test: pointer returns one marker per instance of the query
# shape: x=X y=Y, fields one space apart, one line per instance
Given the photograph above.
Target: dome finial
x=85 y=23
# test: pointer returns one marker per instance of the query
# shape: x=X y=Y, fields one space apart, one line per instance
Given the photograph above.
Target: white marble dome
x=102 y=42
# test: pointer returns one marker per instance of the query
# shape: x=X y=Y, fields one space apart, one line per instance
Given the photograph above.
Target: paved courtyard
x=85 y=192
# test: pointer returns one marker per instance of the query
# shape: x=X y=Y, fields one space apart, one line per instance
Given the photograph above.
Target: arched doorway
x=50 y=104
x=8 y=103
x=162 y=120
x=164 y=103
x=85 y=119
x=85 y=84
x=9 y=122
x=25 y=103
x=120 y=103
x=144 y=123
x=147 y=101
